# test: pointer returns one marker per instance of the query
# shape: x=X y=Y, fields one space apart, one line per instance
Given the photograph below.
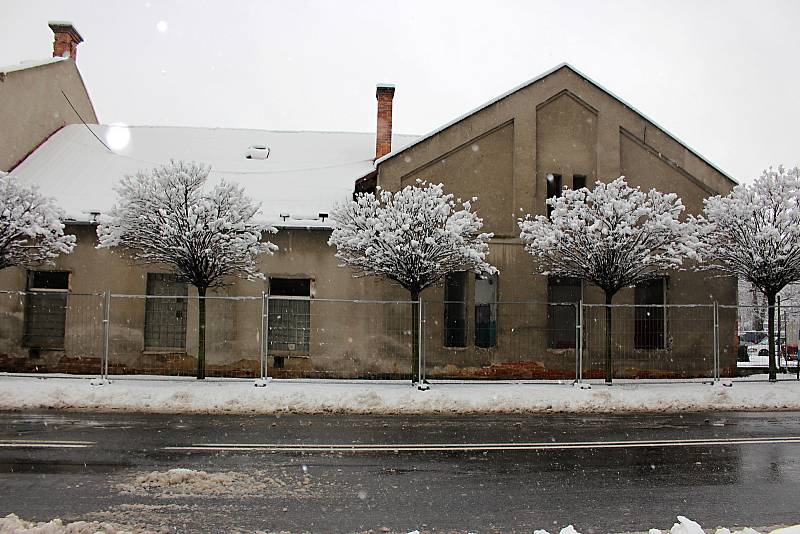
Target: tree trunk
x=415 y=307
x=609 y=372
x=201 y=329
x=773 y=371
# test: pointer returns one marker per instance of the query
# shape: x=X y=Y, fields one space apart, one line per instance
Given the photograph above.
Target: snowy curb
x=233 y=396
x=12 y=523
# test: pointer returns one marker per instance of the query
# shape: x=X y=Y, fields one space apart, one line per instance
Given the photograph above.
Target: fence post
x=579 y=341
x=716 y=342
x=106 y=332
x=264 y=349
x=421 y=384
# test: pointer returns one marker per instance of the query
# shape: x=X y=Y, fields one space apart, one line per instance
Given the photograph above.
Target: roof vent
x=257 y=152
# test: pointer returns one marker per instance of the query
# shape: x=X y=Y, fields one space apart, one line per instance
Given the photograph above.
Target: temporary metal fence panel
x=320 y=338
x=159 y=335
x=302 y=337
x=50 y=331
x=750 y=339
x=650 y=341
x=503 y=340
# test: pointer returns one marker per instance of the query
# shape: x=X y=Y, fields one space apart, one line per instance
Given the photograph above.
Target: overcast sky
x=723 y=76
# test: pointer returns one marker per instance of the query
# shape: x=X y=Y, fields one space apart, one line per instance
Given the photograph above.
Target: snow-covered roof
x=304 y=174
x=398 y=149
x=29 y=64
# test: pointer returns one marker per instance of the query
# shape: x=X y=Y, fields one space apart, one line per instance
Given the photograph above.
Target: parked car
x=754 y=351
x=747 y=339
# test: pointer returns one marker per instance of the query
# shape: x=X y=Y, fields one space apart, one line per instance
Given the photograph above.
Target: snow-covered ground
x=13 y=524
x=387 y=397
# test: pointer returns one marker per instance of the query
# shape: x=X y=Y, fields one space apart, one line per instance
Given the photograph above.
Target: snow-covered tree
x=31 y=231
x=612 y=236
x=754 y=233
x=413 y=237
x=165 y=216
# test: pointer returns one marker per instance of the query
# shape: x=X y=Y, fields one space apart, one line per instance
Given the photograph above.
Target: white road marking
x=466 y=447
x=44 y=444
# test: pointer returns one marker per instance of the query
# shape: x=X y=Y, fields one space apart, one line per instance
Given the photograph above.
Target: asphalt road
x=358 y=473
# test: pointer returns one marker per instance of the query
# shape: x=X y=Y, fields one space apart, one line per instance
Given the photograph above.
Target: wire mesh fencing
x=304 y=337
x=502 y=340
x=50 y=331
x=160 y=335
x=319 y=338
x=752 y=337
x=650 y=342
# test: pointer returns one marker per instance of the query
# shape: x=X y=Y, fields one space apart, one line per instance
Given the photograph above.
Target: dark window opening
x=578 y=181
x=455 y=310
x=290 y=287
x=279 y=362
x=46 y=310
x=562 y=318
x=649 y=317
x=289 y=317
x=554 y=185
x=48 y=280
x=486 y=311
x=165 y=318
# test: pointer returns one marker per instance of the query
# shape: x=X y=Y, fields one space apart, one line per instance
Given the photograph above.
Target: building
x=559 y=129
x=37 y=97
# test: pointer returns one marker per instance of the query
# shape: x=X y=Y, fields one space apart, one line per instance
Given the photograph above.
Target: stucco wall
x=32 y=107
x=346 y=339
x=564 y=124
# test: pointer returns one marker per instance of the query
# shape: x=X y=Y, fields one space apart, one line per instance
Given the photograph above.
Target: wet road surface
x=335 y=473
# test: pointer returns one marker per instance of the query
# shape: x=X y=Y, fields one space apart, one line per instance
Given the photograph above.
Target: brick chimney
x=383 y=139
x=66 y=39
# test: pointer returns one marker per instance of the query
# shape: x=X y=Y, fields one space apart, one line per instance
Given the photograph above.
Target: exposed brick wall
x=66 y=40
x=383 y=141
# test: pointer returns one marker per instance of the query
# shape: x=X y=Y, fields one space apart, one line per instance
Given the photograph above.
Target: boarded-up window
x=554 y=184
x=165 y=312
x=486 y=311
x=46 y=309
x=649 y=316
x=289 y=316
x=561 y=319
x=455 y=310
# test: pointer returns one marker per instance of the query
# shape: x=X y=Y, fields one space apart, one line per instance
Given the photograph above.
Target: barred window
x=561 y=319
x=289 y=317
x=46 y=309
x=165 y=317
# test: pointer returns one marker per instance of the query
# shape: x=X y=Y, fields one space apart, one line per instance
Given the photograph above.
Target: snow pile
x=192 y=483
x=687 y=526
x=11 y=524
x=237 y=396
